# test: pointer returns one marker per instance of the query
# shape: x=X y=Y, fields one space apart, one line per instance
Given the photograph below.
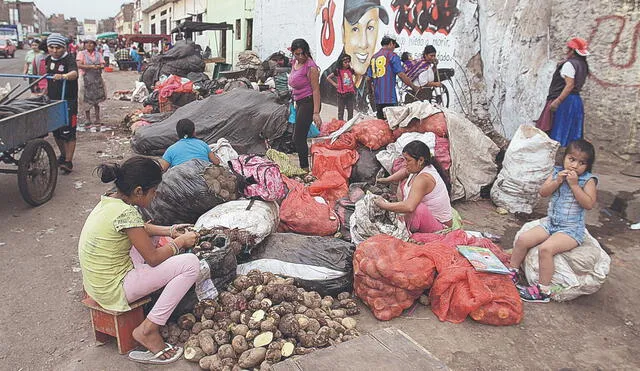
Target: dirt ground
x=44 y=326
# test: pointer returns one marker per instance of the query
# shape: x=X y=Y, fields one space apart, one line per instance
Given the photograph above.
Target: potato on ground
x=252 y=357
x=193 y=354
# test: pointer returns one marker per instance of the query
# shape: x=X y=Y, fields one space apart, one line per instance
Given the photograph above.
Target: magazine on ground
x=482 y=259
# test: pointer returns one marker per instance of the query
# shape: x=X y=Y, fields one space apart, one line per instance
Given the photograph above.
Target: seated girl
x=424 y=193
x=187 y=147
x=572 y=188
x=120 y=263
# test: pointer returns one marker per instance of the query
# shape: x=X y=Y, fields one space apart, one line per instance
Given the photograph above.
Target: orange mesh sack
x=325 y=160
x=330 y=186
x=373 y=134
x=390 y=274
x=344 y=141
x=459 y=290
x=329 y=127
x=436 y=124
x=301 y=213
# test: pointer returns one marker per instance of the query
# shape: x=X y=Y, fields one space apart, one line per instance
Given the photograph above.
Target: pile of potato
x=221 y=182
x=262 y=319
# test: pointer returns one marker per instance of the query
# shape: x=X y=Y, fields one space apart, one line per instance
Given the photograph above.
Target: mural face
x=413 y=23
x=360 y=40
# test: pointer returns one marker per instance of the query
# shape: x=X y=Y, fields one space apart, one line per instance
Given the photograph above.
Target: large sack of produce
x=244 y=117
x=258 y=219
x=581 y=271
x=436 y=124
x=189 y=190
x=302 y=213
x=331 y=126
x=330 y=186
x=344 y=141
x=373 y=134
x=367 y=167
x=460 y=291
x=527 y=164
x=390 y=274
x=320 y=264
x=258 y=177
x=325 y=160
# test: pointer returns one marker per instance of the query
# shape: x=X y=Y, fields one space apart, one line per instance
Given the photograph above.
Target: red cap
x=579 y=45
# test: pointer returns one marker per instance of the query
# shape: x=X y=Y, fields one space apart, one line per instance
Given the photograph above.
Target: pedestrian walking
x=91 y=63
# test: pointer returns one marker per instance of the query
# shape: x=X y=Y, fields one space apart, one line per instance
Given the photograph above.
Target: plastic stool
x=108 y=324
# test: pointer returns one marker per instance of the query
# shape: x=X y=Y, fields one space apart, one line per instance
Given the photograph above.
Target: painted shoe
x=533 y=294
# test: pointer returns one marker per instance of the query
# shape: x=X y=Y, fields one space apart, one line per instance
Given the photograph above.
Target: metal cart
x=22 y=145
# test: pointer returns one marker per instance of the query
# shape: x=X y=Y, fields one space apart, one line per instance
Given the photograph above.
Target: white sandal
x=148 y=357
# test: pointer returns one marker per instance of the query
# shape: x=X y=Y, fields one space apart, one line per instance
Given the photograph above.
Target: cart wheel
x=37 y=172
x=443 y=97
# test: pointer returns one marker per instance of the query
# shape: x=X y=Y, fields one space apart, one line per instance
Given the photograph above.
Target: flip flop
x=148 y=357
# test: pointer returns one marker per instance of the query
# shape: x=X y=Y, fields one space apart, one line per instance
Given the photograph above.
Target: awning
x=107 y=35
x=191 y=26
x=145 y=38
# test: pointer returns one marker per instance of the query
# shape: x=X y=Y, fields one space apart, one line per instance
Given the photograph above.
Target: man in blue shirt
x=385 y=66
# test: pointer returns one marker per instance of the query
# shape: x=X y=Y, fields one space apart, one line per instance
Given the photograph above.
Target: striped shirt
x=385 y=65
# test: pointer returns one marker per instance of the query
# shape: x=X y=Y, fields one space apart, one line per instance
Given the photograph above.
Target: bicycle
x=434 y=95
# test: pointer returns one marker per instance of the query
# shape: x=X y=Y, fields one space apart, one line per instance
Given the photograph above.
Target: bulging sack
x=259 y=178
x=527 y=164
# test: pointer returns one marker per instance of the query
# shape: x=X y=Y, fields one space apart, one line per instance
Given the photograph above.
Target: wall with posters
x=503 y=53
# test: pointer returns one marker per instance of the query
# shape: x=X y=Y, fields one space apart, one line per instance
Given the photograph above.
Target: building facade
x=240 y=14
x=58 y=23
x=124 y=19
x=157 y=16
x=25 y=14
x=107 y=25
x=90 y=27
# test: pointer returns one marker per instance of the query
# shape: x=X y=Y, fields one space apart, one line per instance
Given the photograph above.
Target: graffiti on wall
x=617 y=65
x=425 y=15
x=355 y=27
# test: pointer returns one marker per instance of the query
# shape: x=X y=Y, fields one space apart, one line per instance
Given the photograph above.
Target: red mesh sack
x=325 y=159
x=330 y=186
x=344 y=141
x=300 y=213
x=373 y=134
x=460 y=290
x=389 y=274
x=329 y=127
x=436 y=124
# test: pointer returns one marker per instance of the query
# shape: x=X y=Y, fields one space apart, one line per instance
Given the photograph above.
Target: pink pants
x=423 y=221
x=176 y=274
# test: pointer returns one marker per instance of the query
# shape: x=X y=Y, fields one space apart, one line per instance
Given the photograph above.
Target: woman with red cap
x=563 y=115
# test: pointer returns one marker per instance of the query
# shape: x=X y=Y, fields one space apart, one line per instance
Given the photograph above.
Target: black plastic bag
x=322 y=264
x=367 y=167
x=183 y=195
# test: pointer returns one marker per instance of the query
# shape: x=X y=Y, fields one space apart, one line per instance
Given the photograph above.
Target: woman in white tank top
x=424 y=195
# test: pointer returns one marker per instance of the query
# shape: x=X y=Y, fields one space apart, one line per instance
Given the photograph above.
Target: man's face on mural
x=360 y=40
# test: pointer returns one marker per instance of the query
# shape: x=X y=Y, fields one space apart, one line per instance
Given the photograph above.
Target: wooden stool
x=107 y=323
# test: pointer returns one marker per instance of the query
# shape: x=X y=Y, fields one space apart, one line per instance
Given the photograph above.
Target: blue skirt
x=568 y=120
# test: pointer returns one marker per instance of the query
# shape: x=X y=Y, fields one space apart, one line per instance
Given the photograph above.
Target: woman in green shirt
x=28 y=63
x=120 y=263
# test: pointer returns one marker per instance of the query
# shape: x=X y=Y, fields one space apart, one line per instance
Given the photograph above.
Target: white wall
x=278 y=22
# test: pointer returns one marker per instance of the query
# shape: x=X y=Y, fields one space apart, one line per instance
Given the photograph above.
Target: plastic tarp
x=244 y=117
x=180 y=60
x=259 y=221
x=472 y=157
x=528 y=161
x=367 y=167
x=322 y=264
x=580 y=271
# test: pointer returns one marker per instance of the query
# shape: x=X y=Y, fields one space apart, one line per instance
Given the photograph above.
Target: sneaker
x=533 y=294
x=66 y=167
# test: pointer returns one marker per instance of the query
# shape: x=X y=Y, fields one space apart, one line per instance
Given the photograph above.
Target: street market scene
x=319 y=185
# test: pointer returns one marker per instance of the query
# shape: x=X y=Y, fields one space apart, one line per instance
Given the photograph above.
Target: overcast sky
x=81 y=9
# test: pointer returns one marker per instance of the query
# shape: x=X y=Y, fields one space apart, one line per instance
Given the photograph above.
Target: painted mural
x=355 y=27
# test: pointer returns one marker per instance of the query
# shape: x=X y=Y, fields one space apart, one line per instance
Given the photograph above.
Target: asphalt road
x=13 y=65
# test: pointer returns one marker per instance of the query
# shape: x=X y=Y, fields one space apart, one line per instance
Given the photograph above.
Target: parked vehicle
x=7 y=48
